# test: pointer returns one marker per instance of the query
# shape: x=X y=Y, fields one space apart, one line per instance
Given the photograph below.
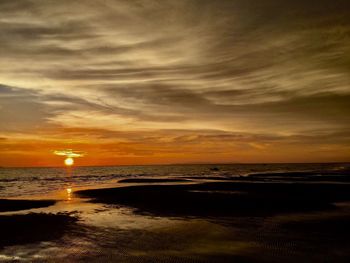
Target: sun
x=69 y=161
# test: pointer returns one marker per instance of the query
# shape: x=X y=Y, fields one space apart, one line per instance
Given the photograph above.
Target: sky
x=158 y=82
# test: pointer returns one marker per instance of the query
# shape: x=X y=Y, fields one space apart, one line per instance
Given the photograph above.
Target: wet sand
x=33 y=227
x=224 y=198
x=16 y=205
x=267 y=217
x=19 y=229
x=261 y=218
x=152 y=180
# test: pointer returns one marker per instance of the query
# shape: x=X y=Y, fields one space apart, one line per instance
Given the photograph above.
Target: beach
x=185 y=131
x=214 y=217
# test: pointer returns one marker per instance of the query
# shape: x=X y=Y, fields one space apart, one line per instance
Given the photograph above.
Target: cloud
x=69 y=153
x=272 y=67
x=21 y=109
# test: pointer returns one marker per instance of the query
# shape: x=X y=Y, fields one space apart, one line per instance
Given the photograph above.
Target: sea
x=43 y=181
x=77 y=229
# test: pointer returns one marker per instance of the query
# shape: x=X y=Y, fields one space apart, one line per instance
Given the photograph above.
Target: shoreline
x=204 y=217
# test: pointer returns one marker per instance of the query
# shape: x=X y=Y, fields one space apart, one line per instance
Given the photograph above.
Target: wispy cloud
x=120 y=67
x=69 y=153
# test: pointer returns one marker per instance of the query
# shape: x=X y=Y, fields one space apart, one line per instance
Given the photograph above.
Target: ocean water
x=26 y=182
x=115 y=233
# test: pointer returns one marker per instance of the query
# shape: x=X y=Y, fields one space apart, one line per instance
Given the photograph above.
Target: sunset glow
x=211 y=83
x=174 y=130
x=69 y=161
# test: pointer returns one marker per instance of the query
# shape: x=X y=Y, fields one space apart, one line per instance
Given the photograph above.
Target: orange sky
x=174 y=81
x=165 y=150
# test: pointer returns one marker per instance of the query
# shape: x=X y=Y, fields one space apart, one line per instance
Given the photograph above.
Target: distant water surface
x=17 y=182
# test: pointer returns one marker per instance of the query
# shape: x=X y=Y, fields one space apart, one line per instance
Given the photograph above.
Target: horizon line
x=169 y=164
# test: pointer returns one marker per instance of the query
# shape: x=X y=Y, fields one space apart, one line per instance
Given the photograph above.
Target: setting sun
x=69 y=161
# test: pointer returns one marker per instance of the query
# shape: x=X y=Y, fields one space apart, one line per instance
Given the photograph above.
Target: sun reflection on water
x=69 y=191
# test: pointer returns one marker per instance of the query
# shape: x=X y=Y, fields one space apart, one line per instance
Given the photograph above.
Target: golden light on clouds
x=214 y=82
x=69 y=153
